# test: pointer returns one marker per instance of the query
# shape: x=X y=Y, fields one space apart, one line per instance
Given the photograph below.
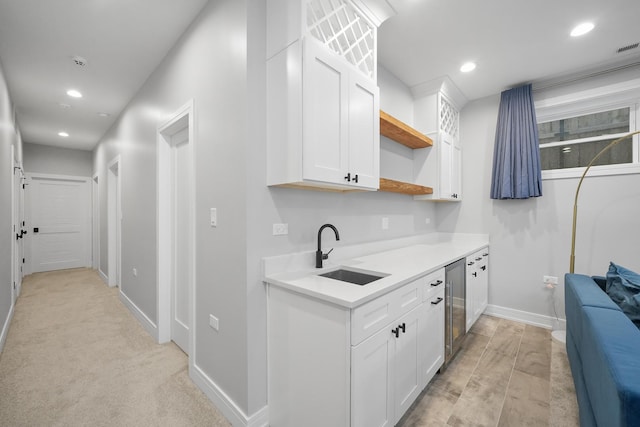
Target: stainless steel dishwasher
x=455 y=309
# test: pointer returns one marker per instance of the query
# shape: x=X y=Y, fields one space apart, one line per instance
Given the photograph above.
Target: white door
x=181 y=236
x=18 y=230
x=59 y=226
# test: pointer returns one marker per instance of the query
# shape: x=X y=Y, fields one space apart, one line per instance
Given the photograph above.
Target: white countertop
x=400 y=266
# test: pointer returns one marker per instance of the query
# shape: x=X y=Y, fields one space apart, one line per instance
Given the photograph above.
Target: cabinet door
x=456 y=172
x=364 y=131
x=407 y=362
x=446 y=153
x=470 y=287
x=371 y=380
x=482 y=298
x=432 y=336
x=325 y=115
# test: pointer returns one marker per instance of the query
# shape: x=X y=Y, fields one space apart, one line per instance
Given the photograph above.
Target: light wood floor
x=506 y=374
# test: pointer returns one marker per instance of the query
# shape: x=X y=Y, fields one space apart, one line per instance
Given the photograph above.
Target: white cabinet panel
x=432 y=335
x=477 y=285
x=407 y=363
x=371 y=381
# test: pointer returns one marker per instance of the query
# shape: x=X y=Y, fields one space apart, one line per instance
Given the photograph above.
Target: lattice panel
x=341 y=27
x=448 y=118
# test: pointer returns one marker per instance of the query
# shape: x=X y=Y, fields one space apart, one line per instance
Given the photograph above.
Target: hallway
x=75 y=356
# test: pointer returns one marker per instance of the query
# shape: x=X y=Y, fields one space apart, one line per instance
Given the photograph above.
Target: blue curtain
x=516 y=155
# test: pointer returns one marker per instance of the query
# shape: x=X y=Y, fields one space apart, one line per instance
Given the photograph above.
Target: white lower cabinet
x=477 y=285
x=389 y=349
x=386 y=372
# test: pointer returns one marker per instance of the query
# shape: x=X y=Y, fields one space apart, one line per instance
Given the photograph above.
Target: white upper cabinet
x=322 y=98
x=441 y=165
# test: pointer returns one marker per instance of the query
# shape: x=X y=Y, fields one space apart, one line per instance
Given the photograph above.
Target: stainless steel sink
x=351 y=276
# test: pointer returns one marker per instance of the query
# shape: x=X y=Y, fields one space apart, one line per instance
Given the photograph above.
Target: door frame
x=114 y=220
x=95 y=229
x=164 y=206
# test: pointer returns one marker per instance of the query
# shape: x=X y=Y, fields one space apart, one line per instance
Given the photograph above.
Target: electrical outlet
x=385 y=223
x=280 y=229
x=213 y=322
x=135 y=272
x=549 y=280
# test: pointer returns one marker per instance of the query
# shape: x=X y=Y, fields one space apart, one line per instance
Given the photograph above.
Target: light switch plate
x=385 y=223
x=213 y=322
x=214 y=217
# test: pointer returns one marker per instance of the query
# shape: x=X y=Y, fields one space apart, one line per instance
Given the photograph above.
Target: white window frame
x=590 y=106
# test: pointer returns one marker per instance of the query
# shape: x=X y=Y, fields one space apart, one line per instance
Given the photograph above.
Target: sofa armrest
x=600 y=281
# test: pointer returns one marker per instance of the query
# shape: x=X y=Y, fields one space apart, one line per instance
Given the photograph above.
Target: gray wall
x=220 y=63
x=57 y=161
x=531 y=238
x=9 y=137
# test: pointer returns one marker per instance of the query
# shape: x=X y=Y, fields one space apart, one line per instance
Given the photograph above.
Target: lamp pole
x=575 y=203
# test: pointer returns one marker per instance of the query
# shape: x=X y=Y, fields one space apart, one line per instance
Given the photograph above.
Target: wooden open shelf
x=402 y=133
x=393 y=186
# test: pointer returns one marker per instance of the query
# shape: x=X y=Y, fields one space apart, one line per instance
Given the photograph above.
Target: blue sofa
x=603 y=347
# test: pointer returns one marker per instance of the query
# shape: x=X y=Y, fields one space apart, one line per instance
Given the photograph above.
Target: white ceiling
x=512 y=41
x=123 y=41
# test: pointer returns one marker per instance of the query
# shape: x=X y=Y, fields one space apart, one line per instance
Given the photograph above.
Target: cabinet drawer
x=433 y=283
x=370 y=317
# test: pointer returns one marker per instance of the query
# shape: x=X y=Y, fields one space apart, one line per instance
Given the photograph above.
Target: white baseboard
x=547 y=322
x=5 y=327
x=104 y=277
x=146 y=323
x=229 y=409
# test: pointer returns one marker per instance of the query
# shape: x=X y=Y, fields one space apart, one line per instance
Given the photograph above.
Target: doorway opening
x=176 y=229
x=114 y=219
x=95 y=252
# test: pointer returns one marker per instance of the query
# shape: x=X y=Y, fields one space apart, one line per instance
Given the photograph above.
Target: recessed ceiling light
x=74 y=93
x=468 y=66
x=582 y=29
x=63 y=134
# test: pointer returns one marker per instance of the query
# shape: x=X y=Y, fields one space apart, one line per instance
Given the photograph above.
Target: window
x=572 y=142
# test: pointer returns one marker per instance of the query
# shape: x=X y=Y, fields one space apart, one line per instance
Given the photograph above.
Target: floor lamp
x=575 y=204
x=560 y=335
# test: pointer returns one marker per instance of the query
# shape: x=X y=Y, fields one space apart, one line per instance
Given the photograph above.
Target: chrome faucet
x=319 y=255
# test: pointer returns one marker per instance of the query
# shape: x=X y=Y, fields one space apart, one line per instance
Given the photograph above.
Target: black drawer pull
x=396 y=332
x=438 y=301
x=403 y=327
x=439 y=282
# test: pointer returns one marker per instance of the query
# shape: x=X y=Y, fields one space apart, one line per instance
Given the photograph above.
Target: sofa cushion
x=610 y=353
x=581 y=291
x=623 y=286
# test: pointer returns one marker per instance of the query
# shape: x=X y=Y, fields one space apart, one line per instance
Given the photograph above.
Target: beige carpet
x=75 y=356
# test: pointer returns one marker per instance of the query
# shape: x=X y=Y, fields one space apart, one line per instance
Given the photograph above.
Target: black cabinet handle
x=485 y=254
x=438 y=283
x=348 y=177
x=355 y=178
x=471 y=263
x=475 y=274
x=484 y=267
x=396 y=332
x=479 y=259
x=436 y=302
x=403 y=327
